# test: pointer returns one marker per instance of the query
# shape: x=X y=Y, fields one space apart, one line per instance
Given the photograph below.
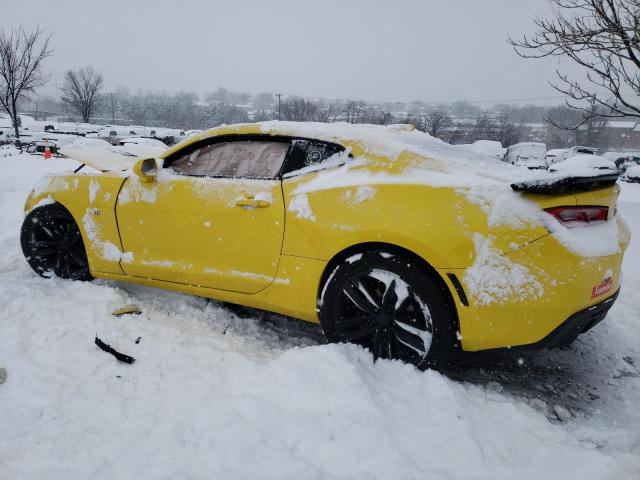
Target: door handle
x=252 y=203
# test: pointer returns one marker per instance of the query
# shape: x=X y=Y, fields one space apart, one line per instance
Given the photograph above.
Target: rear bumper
x=578 y=323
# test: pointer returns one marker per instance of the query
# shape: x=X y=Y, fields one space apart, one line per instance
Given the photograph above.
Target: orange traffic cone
x=47 y=150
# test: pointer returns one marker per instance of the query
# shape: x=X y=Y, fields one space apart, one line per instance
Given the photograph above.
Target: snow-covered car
x=4 y=135
x=385 y=236
x=527 y=154
x=101 y=153
x=622 y=159
x=627 y=161
x=39 y=147
x=584 y=164
x=554 y=155
x=25 y=138
x=114 y=134
x=578 y=150
x=142 y=146
x=487 y=147
x=632 y=174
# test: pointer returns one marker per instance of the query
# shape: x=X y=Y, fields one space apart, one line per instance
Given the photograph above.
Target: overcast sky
x=432 y=50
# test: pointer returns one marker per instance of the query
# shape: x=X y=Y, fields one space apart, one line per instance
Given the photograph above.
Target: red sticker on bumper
x=603 y=288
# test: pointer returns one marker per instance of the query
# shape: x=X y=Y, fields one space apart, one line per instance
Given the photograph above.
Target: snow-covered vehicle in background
x=554 y=155
x=486 y=147
x=143 y=146
x=4 y=135
x=623 y=160
x=170 y=136
x=584 y=164
x=113 y=134
x=632 y=174
x=7 y=132
x=24 y=138
x=40 y=146
x=578 y=150
x=527 y=154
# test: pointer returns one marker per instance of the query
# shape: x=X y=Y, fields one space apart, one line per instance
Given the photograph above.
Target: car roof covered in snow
x=409 y=155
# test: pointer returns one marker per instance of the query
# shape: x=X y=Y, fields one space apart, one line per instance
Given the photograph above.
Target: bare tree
x=298 y=110
x=327 y=114
x=21 y=57
x=602 y=36
x=353 y=110
x=80 y=91
x=437 y=123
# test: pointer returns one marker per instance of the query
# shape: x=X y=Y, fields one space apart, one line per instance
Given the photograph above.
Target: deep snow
x=213 y=395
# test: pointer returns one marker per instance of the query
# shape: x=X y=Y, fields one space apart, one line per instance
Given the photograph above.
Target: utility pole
x=278 y=95
x=113 y=111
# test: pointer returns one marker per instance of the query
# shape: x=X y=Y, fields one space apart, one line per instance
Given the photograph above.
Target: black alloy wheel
x=387 y=304
x=52 y=243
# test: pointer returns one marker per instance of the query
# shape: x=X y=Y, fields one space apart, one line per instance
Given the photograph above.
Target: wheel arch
x=55 y=201
x=51 y=211
x=423 y=264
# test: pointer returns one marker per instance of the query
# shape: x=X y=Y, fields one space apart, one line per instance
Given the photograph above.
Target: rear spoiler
x=566 y=184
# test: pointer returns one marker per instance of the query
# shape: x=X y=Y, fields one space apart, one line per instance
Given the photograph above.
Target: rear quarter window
x=309 y=153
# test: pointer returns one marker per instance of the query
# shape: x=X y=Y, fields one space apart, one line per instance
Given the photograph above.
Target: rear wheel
x=52 y=243
x=388 y=304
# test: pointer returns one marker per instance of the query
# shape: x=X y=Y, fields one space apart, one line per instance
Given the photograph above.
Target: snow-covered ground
x=213 y=395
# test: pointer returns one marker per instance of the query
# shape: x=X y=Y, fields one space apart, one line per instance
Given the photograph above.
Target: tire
x=390 y=305
x=52 y=243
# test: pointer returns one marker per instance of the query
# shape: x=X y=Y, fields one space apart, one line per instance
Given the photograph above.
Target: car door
x=214 y=217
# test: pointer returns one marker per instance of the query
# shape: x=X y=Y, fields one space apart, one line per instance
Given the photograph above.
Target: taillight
x=573 y=216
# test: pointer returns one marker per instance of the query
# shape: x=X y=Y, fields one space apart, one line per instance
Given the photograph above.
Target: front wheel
x=390 y=305
x=52 y=243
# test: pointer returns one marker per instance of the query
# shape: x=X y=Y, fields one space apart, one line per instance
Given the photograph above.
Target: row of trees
x=505 y=123
x=601 y=36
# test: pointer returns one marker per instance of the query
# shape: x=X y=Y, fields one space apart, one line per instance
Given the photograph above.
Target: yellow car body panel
x=567 y=281
x=91 y=200
x=212 y=240
x=199 y=236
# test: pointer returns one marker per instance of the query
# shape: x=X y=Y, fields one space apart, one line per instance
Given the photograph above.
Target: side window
x=248 y=159
x=306 y=153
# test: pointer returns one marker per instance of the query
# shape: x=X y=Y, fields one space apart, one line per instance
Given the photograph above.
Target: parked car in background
x=632 y=174
x=623 y=160
x=584 y=164
x=554 y=155
x=487 y=147
x=114 y=134
x=4 y=136
x=527 y=154
x=143 y=146
x=25 y=138
x=39 y=147
x=578 y=150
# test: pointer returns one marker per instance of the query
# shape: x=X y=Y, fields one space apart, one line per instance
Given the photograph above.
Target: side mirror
x=146 y=169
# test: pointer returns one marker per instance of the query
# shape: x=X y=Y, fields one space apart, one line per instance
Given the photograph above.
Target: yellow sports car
x=385 y=236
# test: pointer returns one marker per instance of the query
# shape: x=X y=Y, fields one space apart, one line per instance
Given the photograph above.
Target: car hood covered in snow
x=98 y=154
